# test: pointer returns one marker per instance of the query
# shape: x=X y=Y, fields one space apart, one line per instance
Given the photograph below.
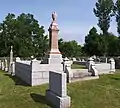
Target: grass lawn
x=76 y=66
x=101 y=93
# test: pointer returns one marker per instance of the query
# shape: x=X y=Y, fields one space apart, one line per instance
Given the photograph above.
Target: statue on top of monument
x=54 y=16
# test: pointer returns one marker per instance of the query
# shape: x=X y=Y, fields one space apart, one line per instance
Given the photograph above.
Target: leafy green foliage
x=93 y=43
x=69 y=48
x=117 y=9
x=99 y=45
x=25 y=34
x=104 y=11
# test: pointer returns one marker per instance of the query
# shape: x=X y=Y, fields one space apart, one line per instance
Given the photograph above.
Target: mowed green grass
x=77 y=66
x=100 y=93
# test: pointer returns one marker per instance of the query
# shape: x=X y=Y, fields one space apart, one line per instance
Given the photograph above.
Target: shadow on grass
x=42 y=99
x=17 y=80
x=115 y=78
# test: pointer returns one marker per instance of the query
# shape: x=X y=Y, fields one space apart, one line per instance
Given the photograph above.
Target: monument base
x=53 y=58
x=58 y=102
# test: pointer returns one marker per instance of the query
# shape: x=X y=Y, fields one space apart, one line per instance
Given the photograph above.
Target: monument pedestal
x=53 y=58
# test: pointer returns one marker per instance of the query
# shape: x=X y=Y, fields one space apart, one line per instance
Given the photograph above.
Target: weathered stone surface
x=6 y=65
x=0 y=64
x=3 y=66
x=34 y=73
x=112 y=65
x=58 y=102
x=54 y=56
x=94 y=70
x=57 y=92
x=57 y=83
x=90 y=62
x=13 y=68
x=11 y=60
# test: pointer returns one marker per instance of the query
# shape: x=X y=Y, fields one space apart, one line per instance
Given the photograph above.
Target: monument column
x=53 y=35
x=54 y=55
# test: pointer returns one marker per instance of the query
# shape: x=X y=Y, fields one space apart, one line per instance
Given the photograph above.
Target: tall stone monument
x=54 y=56
x=11 y=59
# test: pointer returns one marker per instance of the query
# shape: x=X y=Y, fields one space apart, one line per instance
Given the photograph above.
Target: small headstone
x=79 y=59
x=6 y=65
x=94 y=70
x=3 y=67
x=74 y=59
x=57 y=92
x=0 y=64
x=83 y=60
x=112 y=65
x=17 y=59
x=90 y=62
x=106 y=60
x=13 y=68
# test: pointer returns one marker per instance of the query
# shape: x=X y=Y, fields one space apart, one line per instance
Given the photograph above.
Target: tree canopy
x=24 y=33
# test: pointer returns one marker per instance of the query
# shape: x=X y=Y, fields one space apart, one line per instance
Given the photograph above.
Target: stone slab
x=58 y=83
x=84 y=78
x=58 y=102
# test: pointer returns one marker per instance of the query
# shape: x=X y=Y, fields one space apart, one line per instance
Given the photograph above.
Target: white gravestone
x=94 y=70
x=3 y=67
x=11 y=59
x=17 y=59
x=112 y=65
x=90 y=62
x=0 y=64
x=67 y=69
x=13 y=68
x=6 y=65
x=57 y=92
x=74 y=59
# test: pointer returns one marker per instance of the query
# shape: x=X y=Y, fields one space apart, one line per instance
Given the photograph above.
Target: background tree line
x=24 y=34
x=28 y=37
x=105 y=43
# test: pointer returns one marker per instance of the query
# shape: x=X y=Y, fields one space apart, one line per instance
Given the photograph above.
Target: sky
x=74 y=17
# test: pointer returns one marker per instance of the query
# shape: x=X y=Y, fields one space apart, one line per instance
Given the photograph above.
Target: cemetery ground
x=100 y=93
x=77 y=66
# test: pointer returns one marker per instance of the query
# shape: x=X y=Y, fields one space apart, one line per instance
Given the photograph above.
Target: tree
x=7 y=33
x=25 y=34
x=117 y=9
x=93 y=43
x=113 y=45
x=69 y=48
x=104 y=12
